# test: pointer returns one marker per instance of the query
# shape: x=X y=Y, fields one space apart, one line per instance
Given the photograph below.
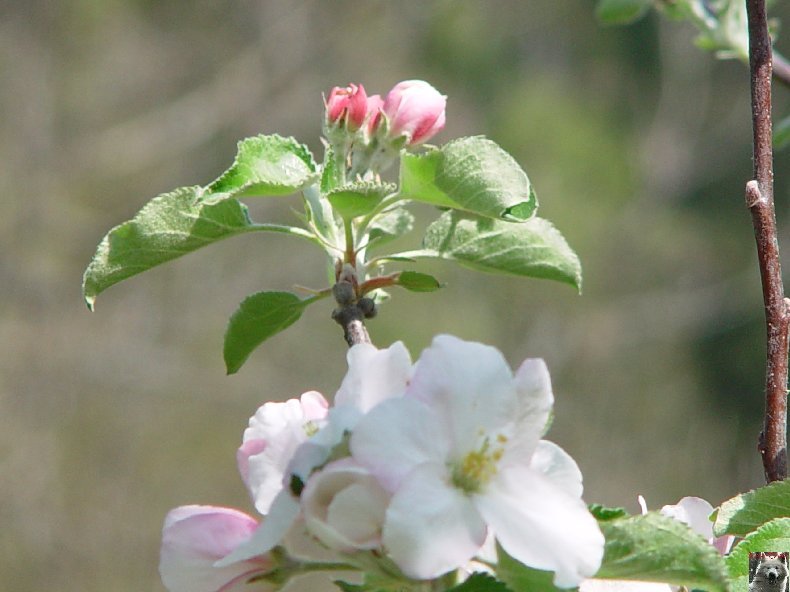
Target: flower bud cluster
x=367 y=132
x=424 y=464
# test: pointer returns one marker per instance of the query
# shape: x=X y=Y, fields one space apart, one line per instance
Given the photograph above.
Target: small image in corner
x=768 y=571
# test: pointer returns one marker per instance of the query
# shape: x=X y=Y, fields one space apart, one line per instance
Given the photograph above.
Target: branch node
x=753 y=194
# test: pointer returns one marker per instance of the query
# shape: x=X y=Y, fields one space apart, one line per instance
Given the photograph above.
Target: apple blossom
x=347 y=107
x=373 y=375
x=415 y=110
x=696 y=512
x=461 y=453
x=274 y=433
x=344 y=507
x=194 y=537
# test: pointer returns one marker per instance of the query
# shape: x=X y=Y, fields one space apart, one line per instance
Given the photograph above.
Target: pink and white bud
x=416 y=110
x=347 y=106
x=344 y=507
x=373 y=117
x=195 y=537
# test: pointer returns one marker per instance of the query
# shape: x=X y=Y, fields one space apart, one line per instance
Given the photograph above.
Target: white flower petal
x=374 y=375
x=693 y=511
x=535 y=400
x=431 y=527
x=556 y=464
x=395 y=437
x=284 y=512
x=282 y=427
x=595 y=585
x=194 y=537
x=469 y=385
x=542 y=526
x=344 y=506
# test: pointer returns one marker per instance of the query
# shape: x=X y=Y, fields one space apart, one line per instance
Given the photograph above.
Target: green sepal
x=533 y=248
x=621 y=12
x=472 y=174
x=602 y=513
x=358 y=198
x=480 y=582
x=772 y=536
x=418 y=282
x=745 y=512
x=657 y=548
x=167 y=227
x=267 y=165
x=518 y=576
x=259 y=317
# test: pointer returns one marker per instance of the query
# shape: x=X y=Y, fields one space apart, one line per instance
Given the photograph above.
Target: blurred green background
x=638 y=144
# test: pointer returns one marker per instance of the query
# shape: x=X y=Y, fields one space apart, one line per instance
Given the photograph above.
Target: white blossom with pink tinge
x=461 y=453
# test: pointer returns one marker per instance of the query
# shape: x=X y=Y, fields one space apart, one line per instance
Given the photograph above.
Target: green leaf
x=782 y=134
x=358 y=198
x=744 y=513
x=390 y=225
x=168 y=226
x=472 y=174
x=259 y=317
x=519 y=577
x=533 y=248
x=480 y=582
x=773 y=536
x=621 y=12
x=657 y=548
x=267 y=165
x=418 y=282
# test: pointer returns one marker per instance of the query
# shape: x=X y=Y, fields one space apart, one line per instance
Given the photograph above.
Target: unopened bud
x=343 y=293
x=367 y=307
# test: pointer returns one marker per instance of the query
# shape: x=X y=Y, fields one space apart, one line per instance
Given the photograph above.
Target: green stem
x=351 y=255
x=383 y=205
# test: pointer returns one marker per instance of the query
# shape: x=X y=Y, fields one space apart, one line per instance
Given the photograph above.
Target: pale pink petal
x=469 y=385
x=431 y=528
x=243 y=454
x=556 y=464
x=693 y=511
x=194 y=537
x=542 y=526
x=596 y=585
x=374 y=375
x=344 y=506
x=395 y=437
x=283 y=426
x=271 y=532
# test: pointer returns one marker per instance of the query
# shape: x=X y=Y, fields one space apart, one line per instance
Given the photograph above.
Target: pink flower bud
x=375 y=105
x=347 y=105
x=415 y=109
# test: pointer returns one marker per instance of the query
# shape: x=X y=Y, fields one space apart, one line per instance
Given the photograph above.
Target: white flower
x=696 y=512
x=344 y=507
x=373 y=376
x=274 y=433
x=461 y=452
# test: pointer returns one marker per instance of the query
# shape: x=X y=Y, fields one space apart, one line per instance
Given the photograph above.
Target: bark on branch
x=760 y=201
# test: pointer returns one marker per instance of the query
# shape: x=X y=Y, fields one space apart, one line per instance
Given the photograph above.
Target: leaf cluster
x=487 y=221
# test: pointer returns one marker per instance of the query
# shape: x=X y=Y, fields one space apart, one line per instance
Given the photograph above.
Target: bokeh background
x=638 y=145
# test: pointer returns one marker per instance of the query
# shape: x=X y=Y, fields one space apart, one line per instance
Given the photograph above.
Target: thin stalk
x=760 y=201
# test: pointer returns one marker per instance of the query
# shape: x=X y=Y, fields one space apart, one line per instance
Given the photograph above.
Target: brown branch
x=760 y=201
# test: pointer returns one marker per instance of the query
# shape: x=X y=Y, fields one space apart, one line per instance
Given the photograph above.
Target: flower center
x=478 y=466
x=310 y=428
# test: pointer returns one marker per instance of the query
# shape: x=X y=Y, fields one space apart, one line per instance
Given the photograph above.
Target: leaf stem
x=760 y=201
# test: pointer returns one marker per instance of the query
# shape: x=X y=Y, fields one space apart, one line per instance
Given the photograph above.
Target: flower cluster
x=416 y=466
x=366 y=132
